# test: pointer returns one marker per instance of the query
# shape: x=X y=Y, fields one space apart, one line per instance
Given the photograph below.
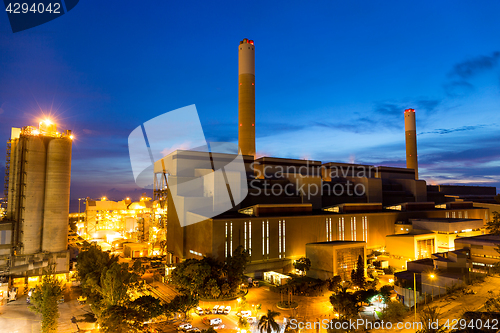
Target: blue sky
x=332 y=81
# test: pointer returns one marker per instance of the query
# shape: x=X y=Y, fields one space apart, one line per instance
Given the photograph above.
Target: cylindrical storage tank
x=12 y=195
x=33 y=178
x=57 y=183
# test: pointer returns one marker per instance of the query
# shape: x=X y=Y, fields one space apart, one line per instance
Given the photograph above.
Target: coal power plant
x=34 y=232
x=298 y=207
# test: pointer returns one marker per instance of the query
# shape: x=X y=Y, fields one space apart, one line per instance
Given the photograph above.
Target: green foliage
x=358 y=274
x=394 y=312
x=493 y=302
x=345 y=303
x=109 y=285
x=210 y=278
x=302 y=264
x=428 y=315
x=209 y=330
x=493 y=226
x=385 y=291
x=334 y=283
x=183 y=303
x=44 y=300
x=267 y=323
x=243 y=323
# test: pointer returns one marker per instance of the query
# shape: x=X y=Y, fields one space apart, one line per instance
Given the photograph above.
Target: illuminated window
x=329 y=231
x=284 y=239
x=447 y=215
x=364 y=222
x=225 y=252
x=245 y=232
x=281 y=239
x=250 y=238
x=466 y=214
x=263 y=238
x=453 y=214
x=353 y=228
x=231 y=241
x=459 y=215
x=267 y=237
x=341 y=228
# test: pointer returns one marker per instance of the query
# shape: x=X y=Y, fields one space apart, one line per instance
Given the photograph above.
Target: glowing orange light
x=71 y=137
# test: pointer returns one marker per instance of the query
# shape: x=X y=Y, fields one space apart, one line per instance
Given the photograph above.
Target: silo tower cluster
x=38 y=188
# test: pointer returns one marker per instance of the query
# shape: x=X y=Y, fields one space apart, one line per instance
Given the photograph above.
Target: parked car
x=244 y=314
x=221 y=309
x=184 y=326
x=208 y=311
x=199 y=311
x=221 y=326
x=194 y=330
x=255 y=283
x=227 y=310
x=215 y=321
x=214 y=310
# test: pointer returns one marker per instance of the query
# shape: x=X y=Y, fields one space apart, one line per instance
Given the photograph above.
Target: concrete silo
x=32 y=201
x=57 y=186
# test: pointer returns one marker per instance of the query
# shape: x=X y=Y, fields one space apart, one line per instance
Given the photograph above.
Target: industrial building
x=292 y=202
x=34 y=232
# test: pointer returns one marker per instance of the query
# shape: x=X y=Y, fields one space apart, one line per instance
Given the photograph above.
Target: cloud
x=472 y=67
x=457 y=129
x=457 y=88
x=459 y=75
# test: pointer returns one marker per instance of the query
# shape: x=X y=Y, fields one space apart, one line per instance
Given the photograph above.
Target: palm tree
x=267 y=323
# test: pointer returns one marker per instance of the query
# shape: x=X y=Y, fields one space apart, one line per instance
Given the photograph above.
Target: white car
x=215 y=321
x=184 y=326
x=251 y=320
x=245 y=314
x=227 y=310
x=214 y=311
x=221 y=326
x=221 y=309
x=199 y=311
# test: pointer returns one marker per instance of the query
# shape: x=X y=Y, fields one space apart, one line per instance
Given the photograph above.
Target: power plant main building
x=332 y=203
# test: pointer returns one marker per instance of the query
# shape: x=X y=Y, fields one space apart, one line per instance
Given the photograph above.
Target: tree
x=45 y=298
x=394 y=312
x=267 y=323
x=243 y=323
x=429 y=317
x=358 y=274
x=302 y=264
x=493 y=226
x=115 y=284
x=385 y=291
x=183 y=304
x=493 y=302
x=345 y=303
x=334 y=283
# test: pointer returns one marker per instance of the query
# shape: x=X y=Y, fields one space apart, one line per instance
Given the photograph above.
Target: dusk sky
x=332 y=81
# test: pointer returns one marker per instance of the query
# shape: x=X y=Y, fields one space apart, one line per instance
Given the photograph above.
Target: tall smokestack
x=246 y=98
x=411 y=141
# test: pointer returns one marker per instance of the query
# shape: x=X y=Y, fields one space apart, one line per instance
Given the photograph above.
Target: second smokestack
x=411 y=141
